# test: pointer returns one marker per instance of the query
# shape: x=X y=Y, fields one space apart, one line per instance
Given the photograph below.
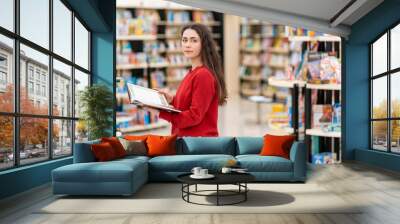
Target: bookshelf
x=149 y=53
x=300 y=82
x=264 y=52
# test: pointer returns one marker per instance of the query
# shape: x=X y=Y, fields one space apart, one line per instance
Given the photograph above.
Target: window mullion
x=73 y=81
x=389 y=101
x=50 y=81
x=370 y=97
x=16 y=84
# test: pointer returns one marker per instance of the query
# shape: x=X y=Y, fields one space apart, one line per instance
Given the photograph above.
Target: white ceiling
x=322 y=9
x=317 y=15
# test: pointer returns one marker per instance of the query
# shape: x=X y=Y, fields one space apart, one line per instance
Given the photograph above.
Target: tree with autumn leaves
x=380 y=127
x=33 y=131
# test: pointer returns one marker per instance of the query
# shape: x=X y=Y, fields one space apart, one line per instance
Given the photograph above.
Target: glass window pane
x=34 y=72
x=35 y=21
x=395 y=136
x=379 y=135
x=62 y=89
x=379 y=97
x=7 y=14
x=395 y=47
x=395 y=94
x=379 y=55
x=6 y=142
x=81 y=81
x=81 y=131
x=62 y=29
x=33 y=139
x=81 y=45
x=6 y=74
x=62 y=138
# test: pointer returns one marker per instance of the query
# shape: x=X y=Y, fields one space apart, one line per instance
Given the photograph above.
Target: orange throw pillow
x=277 y=145
x=161 y=145
x=116 y=145
x=136 y=137
x=103 y=152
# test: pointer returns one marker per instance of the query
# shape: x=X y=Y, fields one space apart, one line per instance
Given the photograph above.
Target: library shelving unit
x=149 y=53
x=305 y=51
x=322 y=99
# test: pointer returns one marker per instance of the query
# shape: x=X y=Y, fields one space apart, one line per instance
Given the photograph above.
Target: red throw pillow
x=103 y=152
x=116 y=145
x=161 y=145
x=277 y=145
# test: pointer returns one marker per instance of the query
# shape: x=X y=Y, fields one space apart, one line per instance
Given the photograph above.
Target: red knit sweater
x=197 y=98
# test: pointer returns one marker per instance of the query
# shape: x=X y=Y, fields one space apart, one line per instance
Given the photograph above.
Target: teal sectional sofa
x=125 y=176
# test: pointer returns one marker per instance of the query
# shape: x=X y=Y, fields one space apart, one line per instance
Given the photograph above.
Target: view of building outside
x=34 y=99
x=35 y=120
x=381 y=75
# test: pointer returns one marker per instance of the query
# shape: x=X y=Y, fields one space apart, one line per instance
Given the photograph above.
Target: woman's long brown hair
x=210 y=57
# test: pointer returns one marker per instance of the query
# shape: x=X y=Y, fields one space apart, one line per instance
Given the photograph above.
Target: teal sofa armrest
x=83 y=152
x=298 y=156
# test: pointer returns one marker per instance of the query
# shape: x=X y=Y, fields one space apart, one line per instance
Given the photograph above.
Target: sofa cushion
x=83 y=152
x=277 y=145
x=249 y=145
x=161 y=145
x=206 y=145
x=103 y=152
x=185 y=163
x=112 y=171
x=134 y=147
x=257 y=163
x=116 y=145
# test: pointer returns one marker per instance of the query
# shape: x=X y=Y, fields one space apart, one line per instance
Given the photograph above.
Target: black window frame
x=16 y=115
x=388 y=74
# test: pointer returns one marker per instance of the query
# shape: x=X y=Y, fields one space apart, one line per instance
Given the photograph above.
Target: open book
x=143 y=96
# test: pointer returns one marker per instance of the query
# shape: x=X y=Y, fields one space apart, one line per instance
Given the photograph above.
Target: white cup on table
x=196 y=171
x=203 y=172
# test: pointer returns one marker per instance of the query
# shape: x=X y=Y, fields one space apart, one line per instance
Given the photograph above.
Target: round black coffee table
x=238 y=179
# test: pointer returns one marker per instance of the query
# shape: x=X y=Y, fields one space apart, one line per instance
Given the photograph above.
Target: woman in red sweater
x=202 y=89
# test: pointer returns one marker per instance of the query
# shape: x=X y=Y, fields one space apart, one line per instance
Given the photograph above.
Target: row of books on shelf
x=202 y=17
x=324 y=158
x=142 y=22
x=290 y=31
x=134 y=117
x=142 y=59
x=275 y=45
x=178 y=16
x=151 y=46
x=198 y=16
x=275 y=61
x=158 y=78
x=326 y=70
x=327 y=117
x=267 y=30
x=248 y=72
x=145 y=21
x=139 y=58
x=320 y=155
